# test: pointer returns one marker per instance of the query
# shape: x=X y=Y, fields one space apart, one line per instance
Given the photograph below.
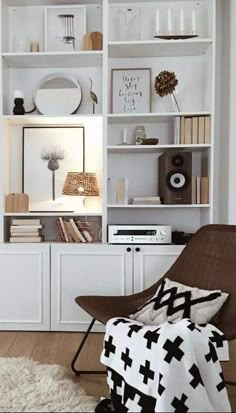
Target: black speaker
x=175 y=177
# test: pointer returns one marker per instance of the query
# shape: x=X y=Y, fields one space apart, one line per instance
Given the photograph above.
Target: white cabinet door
x=86 y=270
x=25 y=287
x=151 y=263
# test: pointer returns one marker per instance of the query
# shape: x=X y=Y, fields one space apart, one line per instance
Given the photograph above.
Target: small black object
x=19 y=106
x=137 y=249
x=180 y=237
x=129 y=249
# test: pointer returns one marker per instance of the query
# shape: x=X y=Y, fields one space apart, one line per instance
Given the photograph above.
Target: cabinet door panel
x=24 y=287
x=86 y=270
x=151 y=263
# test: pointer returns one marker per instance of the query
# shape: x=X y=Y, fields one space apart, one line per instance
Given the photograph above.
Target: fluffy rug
x=26 y=386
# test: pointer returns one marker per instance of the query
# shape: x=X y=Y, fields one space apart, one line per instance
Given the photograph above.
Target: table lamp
x=81 y=184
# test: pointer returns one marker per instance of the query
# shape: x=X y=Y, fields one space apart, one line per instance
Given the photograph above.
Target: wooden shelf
x=159 y=48
x=53 y=59
x=120 y=118
x=130 y=206
x=155 y=148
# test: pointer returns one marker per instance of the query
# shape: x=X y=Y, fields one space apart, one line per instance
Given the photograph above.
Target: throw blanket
x=170 y=368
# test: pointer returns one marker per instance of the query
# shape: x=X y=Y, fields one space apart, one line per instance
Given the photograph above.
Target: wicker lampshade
x=80 y=184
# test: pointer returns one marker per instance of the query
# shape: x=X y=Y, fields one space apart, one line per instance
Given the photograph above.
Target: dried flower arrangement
x=165 y=84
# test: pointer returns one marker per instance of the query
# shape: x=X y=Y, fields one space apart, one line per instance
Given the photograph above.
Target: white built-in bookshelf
x=193 y=61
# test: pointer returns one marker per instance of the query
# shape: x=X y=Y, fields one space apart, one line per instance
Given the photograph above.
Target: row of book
x=26 y=230
x=70 y=230
x=193 y=130
x=200 y=190
x=146 y=200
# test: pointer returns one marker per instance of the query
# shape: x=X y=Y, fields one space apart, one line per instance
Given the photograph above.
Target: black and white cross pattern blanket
x=170 y=368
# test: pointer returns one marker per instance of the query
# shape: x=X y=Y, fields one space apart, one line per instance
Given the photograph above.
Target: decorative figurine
x=93 y=96
x=19 y=103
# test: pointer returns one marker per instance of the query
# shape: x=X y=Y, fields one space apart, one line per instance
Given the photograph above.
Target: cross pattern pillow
x=174 y=301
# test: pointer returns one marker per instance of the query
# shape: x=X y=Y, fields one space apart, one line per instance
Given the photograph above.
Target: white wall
x=228 y=115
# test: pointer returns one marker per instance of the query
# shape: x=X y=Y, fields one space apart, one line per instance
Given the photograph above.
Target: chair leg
x=77 y=354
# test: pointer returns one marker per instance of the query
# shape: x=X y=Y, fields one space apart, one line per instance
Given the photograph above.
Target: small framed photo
x=131 y=90
x=48 y=154
x=65 y=27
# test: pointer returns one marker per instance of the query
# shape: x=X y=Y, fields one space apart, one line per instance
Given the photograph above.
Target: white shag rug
x=27 y=386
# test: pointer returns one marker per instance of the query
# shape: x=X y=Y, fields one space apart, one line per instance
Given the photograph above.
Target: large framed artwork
x=65 y=28
x=131 y=90
x=48 y=154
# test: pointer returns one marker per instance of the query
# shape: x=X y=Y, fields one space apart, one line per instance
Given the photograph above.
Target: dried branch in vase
x=165 y=84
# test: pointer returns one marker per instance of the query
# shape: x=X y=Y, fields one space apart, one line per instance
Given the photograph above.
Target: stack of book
x=146 y=200
x=192 y=130
x=26 y=230
x=69 y=230
x=200 y=190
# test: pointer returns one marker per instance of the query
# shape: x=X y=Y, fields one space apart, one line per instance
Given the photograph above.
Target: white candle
x=157 y=21
x=18 y=94
x=194 y=30
x=169 y=21
x=182 y=21
x=124 y=136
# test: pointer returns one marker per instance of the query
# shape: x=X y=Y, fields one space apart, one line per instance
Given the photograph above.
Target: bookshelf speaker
x=175 y=177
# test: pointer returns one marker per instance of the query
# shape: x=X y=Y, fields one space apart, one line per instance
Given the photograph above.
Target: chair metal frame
x=79 y=372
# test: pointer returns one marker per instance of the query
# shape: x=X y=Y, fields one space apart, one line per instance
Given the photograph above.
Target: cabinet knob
x=137 y=250
x=129 y=249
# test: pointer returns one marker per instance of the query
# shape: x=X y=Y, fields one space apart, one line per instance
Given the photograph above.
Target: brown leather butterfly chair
x=207 y=262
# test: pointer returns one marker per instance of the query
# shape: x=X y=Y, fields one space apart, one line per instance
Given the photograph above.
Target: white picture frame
x=65 y=27
x=43 y=175
x=131 y=90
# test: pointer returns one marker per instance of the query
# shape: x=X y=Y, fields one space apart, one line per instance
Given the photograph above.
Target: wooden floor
x=59 y=348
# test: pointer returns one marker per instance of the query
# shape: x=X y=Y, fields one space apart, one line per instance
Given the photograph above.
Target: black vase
x=19 y=107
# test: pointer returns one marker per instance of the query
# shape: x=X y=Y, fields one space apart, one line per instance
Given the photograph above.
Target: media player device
x=139 y=234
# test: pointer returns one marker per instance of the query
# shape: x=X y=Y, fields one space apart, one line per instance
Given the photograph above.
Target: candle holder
x=175 y=36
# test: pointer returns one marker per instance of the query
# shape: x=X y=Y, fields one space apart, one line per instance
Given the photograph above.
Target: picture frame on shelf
x=48 y=153
x=131 y=90
x=65 y=27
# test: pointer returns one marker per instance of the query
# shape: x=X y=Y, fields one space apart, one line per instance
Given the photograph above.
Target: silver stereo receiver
x=139 y=234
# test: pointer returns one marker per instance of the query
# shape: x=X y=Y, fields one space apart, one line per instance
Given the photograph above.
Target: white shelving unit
x=193 y=61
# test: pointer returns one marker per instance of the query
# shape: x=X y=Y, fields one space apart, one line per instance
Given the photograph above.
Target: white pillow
x=174 y=301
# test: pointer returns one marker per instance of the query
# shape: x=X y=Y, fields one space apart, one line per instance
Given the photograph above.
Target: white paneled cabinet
x=25 y=287
x=101 y=270
x=39 y=283
x=151 y=263
x=86 y=270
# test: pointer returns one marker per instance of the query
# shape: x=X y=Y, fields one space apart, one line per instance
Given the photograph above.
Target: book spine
x=60 y=235
x=182 y=130
x=63 y=229
x=207 y=130
x=205 y=190
x=195 y=130
x=201 y=130
x=188 y=131
x=70 y=238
